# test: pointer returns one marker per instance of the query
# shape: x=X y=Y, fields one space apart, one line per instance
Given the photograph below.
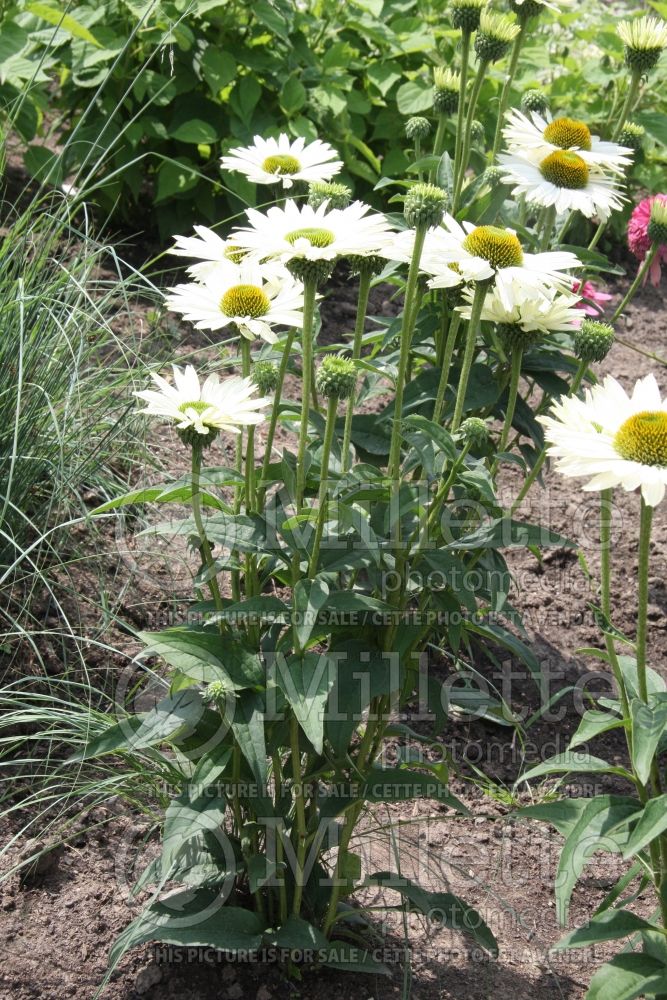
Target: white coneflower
x=246 y=295
x=644 y=40
x=204 y=409
x=612 y=439
x=535 y=137
x=550 y=312
x=281 y=160
x=480 y=253
x=563 y=180
x=313 y=234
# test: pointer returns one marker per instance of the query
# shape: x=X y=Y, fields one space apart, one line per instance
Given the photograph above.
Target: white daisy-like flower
x=247 y=294
x=480 y=253
x=536 y=137
x=612 y=439
x=206 y=409
x=281 y=160
x=550 y=312
x=436 y=244
x=563 y=180
x=208 y=248
x=313 y=234
x=645 y=38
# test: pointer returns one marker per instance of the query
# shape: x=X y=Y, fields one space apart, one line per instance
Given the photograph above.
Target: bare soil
x=57 y=926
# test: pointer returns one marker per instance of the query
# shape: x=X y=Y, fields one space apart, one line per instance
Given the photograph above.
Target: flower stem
x=406 y=341
x=465 y=153
x=273 y=423
x=445 y=368
x=548 y=227
x=365 y=278
x=201 y=530
x=309 y=289
x=515 y=375
x=438 y=144
x=330 y=427
x=250 y=439
x=300 y=816
x=632 y=290
x=465 y=57
x=628 y=104
x=606 y=501
x=469 y=352
x=645 y=522
x=505 y=92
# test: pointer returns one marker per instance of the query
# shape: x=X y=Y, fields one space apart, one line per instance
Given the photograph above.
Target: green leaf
x=651 y=823
x=648 y=725
x=414 y=97
x=505 y=533
x=248 y=727
x=44 y=165
x=55 y=16
x=594 y=831
x=298 y=935
x=206 y=656
x=12 y=39
x=306 y=681
x=260 y=871
x=628 y=976
x=175 y=176
x=563 y=814
x=309 y=596
x=361 y=675
x=263 y=608
x=198 y=918
x=607 y=926
x=218 y=68
x=571 y=762
x=245 y=97
x=188 y=817
x=293 y=96
x=350 y=958
x=592 y=724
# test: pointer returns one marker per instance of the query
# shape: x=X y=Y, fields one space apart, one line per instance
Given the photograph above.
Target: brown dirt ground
x=57 y=927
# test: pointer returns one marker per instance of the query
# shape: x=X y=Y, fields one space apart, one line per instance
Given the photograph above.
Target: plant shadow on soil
x=57 y=927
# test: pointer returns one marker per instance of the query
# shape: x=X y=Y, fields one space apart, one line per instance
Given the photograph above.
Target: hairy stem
x=359 y=325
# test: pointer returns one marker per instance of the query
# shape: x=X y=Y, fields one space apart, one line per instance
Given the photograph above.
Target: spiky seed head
x=495 y=35
x=632 y=136
x=534 y=100
x=424 y=206
x=514 y=338
x=644 y=39
x=318 y=271
x=477 y=132
x=370 y=264
x=417 y=128
x=265 y=376
x=593 y=340
x=466 y=14
x=493 y=176
x=475 y=431
x=338 y=195
x=446 y=89
x=336 y=377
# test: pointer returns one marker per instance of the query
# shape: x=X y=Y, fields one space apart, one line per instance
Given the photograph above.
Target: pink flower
x=638 y=240
x=595 y=298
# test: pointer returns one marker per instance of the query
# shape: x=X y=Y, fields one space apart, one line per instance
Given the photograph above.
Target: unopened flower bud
x=302 y=269
x=424 y=205
x=493 y=176
x=632 y=136
x=477 y=132
x=336 y=377
x=525 y=9
x=657 y=227
x=495 y=35
x=593 y=340
x=514 y=338
x=338 y=195
x=475 y=431
x=417 y=128
x=446 y=89
x=215 y=692
x=644 y=39
x=534 y=100
x=265 y=376
x=369 y=264
x=466 y=14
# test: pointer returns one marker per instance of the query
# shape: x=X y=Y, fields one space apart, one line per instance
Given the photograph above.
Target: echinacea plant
x=361 y=529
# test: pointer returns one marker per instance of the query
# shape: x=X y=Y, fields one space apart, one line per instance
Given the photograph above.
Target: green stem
x=548 y=225
x=537 y=468
x=418 y=154
x=309 y=289
x=365 y=278
x=199 y=524
x=465 y=154
x=606 y=500
x=465 y=58
x=469 y=352
x=505 y=93
x=278 y=785
x=646 y=263
x=407 y=329
x=645 y=522
x=329 y=429
x=515 y=375
x=452 y=336
x=628 y=104
x=300 y=815
x=438 y=144
x=273 y=423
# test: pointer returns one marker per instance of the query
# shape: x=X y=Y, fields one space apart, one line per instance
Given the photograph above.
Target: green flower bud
x=318 y=271
x=417 y=128
x=644 y=39
x=424 y=205
x=526 y=9
x=493 y=176
x=515 y=338
x=215 y=692
x=477 y=133
x=193 y=439
x=534 y=100
x=657 y=227
x=632 y=136
x=475 y=431
x=495 y=35
x=337 y=377
x=593 y=340
x=466 y=14
x=446 y=89
x=371 y=264
x=338 y=195
x=265 y=376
